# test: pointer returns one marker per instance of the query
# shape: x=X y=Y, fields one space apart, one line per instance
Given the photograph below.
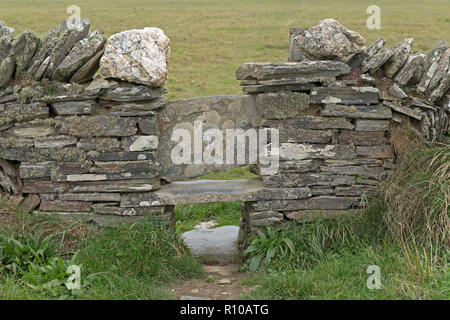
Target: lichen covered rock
x=5 y=46
x=6 y=70
x=139 y=56
x=62 y=47
x=329 y=40
x=431 y=65
x=88 y=70
x=45 y=47
x=23 y=49
x=399 y=57
x=83 y=50
x=413 y=65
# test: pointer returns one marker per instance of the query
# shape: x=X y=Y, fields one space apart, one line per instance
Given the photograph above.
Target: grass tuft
x=404 y=231
x=132 y=262
x=416 y=198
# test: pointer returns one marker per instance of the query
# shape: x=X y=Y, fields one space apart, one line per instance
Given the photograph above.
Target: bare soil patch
x=220 y=283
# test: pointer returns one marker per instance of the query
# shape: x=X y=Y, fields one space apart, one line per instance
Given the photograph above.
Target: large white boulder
x=329 y=40
x=139 y=56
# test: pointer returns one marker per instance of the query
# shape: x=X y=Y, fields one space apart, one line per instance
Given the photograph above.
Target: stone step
x=214 y=246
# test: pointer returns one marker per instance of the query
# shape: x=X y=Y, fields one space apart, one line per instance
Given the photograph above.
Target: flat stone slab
x=212 y=246
x=197 y=191
x=345 y=95
x=284 y=70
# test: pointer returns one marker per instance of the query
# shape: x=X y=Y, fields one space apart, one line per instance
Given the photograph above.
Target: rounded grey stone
x=214 y=246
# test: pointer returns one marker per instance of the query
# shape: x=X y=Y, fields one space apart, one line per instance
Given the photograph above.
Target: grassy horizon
x=210 y=39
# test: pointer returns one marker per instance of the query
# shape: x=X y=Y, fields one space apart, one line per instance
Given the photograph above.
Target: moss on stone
x=27 y=94
x=52 y=88
x=14 y=142
x=63 y=154
x=74 y=89
x=20 y=113
x=47 y=122
x=94 y=154
x=104 y=145
x=284 y=104
x=56 y=88
x=85 y=126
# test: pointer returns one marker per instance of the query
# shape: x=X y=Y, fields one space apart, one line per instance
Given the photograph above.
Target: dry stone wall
x=100 y=146
x=333 y=143
x=80 y=152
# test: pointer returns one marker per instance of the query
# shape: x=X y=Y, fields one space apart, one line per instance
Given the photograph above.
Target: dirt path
x=220 y=283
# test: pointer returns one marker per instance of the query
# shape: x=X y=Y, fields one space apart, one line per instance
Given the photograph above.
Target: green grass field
x=210 y=39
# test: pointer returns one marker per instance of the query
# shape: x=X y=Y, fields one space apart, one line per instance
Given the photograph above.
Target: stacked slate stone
x=334 y=104
x=78 y=153
x=74 y=149
x=63 y=54
x=333 y=142
x=419 y=84
x=412 y=84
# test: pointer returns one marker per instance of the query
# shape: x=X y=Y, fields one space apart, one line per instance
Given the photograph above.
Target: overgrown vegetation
x=124 y=262
x=342 y=274
x=329 y=260
x=416 y=198
x=404 y=231
x=35 y=253
x=133 y=262
x=34 y=260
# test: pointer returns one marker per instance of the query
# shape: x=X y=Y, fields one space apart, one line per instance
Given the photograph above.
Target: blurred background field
x=210 y=39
